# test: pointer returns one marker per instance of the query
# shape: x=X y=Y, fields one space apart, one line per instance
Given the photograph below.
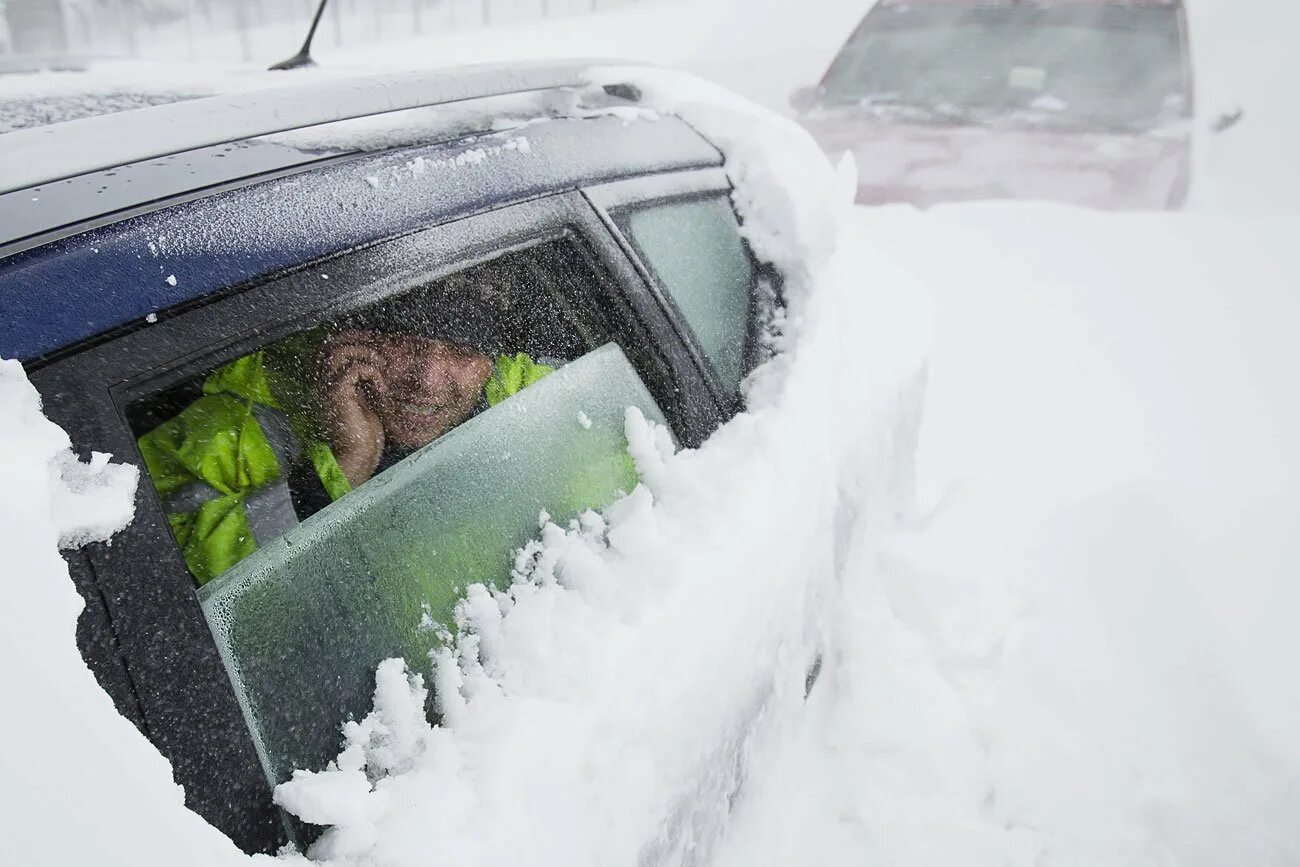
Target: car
x=1087 y=102
x=213 y=251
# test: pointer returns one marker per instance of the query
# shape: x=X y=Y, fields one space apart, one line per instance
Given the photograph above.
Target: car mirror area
x=1225 y=119
x=242 y=453
x=805 y=99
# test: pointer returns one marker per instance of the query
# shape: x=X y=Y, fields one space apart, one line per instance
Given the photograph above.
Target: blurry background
x=246 y=30
x=1240 y=52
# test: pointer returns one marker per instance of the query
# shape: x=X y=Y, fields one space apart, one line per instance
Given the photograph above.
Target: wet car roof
x=167 y=250
x=44 y=154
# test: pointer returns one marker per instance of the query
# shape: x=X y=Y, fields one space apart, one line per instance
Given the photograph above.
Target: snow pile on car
x=601 y=707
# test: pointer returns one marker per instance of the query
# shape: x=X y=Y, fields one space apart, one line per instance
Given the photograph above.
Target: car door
x=194 y=667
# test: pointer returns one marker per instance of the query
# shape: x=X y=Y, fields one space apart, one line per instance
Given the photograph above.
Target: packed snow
x=1023 y=479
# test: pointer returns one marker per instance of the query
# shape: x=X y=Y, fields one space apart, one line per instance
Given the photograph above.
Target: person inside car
x=281 y=433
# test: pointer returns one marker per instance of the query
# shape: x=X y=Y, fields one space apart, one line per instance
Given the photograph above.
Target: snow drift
x=1077 y=651
x=1073 y=647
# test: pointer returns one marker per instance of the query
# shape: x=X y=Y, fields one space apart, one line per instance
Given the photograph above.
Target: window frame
x=175 y=686
x=615 y=200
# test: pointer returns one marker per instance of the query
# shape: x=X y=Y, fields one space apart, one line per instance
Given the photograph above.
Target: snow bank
x=1079 y=650
x=1145 y=709
x=81 y=785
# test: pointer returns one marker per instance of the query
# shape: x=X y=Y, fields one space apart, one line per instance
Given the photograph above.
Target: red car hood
x=928 y=164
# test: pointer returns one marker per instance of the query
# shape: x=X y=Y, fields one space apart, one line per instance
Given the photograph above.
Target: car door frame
x=168 y=676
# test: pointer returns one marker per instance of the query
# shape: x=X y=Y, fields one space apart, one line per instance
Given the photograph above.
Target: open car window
x=247 y=450
x=483 y=398
x=580 y=289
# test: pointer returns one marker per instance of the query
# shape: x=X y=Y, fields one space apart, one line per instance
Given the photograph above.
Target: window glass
x=245 y=452
x=695 y=249
x=334 y=491
x=302 y=622
x=1071 y=65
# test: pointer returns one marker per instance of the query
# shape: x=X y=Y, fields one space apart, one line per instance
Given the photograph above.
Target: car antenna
x=303 y=57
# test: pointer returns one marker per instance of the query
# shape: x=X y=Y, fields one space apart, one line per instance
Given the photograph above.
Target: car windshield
x=1078 y=65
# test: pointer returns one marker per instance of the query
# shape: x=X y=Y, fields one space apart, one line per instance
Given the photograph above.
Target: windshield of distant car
x=1082 y=65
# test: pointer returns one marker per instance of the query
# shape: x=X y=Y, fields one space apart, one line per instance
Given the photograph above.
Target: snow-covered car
x=166 y=269
x=1083 y=101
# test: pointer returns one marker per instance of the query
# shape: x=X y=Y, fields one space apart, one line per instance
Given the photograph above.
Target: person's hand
x=353 y=388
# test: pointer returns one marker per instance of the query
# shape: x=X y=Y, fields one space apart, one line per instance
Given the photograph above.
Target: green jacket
x=221 y=465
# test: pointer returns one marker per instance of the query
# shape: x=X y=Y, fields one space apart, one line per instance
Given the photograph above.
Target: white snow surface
x=1078 y=649
x=1073 y=648
x=1024 y=475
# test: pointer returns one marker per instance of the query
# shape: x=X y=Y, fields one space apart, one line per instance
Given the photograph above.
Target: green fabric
x=513 y=374
x=224 y=446
x=215 y=537
x=244 y=377
x=328 y=469
x=216 y=441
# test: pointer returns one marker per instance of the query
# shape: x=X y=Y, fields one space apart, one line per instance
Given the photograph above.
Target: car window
x=479 y=400
x=695 y=249
x=1079 y=64
x=247 y=450
x=302 y=622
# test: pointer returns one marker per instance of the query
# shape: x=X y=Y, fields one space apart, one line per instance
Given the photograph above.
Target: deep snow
x=1078 y=650
x=1072 y=646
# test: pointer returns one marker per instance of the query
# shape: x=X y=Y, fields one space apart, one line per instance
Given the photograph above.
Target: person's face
x=430 y=386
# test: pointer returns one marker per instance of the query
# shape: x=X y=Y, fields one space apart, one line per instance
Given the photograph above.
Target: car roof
x=38 y=90
x=53 y=152
x=142 y=156
x=88 y=280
